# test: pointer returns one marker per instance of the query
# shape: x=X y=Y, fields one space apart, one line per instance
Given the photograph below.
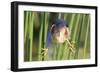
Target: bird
x=58 y=34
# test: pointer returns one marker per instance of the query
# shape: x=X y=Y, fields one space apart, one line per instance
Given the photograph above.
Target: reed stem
x=86 y=37
x=31 y=34
x=45 y=31
x=40 y=38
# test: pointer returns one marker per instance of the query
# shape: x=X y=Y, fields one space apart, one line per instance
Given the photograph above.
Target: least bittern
x=58 y=33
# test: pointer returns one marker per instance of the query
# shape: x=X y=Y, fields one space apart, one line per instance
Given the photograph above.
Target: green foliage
x=36 y=26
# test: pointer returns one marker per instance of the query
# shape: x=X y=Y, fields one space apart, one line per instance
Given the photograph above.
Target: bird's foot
x=44 y=51
x=72 y=50
x=72 y=46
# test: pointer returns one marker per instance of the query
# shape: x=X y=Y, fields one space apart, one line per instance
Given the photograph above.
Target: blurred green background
x=36 y=26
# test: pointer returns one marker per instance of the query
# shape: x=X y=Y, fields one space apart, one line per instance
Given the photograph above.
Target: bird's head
x=59 y=31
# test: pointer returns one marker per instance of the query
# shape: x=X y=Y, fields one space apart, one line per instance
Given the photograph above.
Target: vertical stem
x=59 y=51
x=86 y=36
x=26 y=51
x=70 y=28
x=55 y=53
x=82 y=35
x=71 y=22
x=76 y=55
x=65 y=16
x=75 y=31
x=71 y=25
x=26 y=25
x=40 y=38
x=59 y=45
x=31 y=34
x=65 y=51
x=45 y=30
x=76 y=26
x=64 y=47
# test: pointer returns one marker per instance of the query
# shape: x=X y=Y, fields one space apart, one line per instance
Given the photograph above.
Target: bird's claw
x=44 y=51
x=71 y=44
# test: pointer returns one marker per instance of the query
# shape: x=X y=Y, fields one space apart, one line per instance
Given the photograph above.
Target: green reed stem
x=76 y=26
x=25 y=39
x=65 y=51
x=78 y=37
x=71 y=22
x=70 y=55
x=26 y=25
x=71 y=25
x=86 y=37
x=55 y=53
x=40 y=38
x=64 y=47
x=45 y=31
x=59 y=51
x=31 y=34
x=65 y=16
